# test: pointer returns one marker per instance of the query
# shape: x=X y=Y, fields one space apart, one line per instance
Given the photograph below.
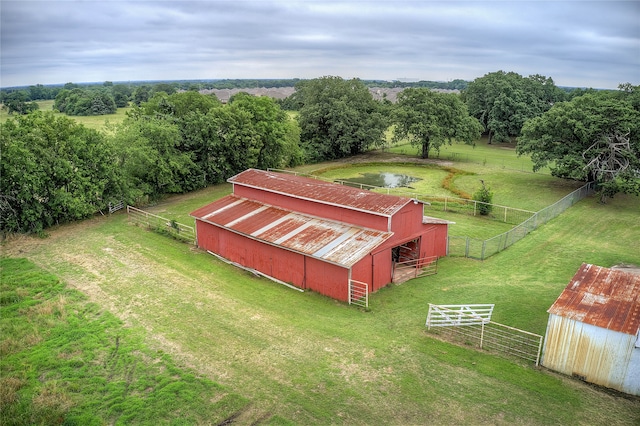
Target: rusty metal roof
x=607 y=298
x=336 y=242
x=321 y=191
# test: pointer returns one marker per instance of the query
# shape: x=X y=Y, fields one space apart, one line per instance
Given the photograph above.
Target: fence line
x=482 y=249
x=414 y=268
x=472 y=325
x=159 y=223
x=525 y=220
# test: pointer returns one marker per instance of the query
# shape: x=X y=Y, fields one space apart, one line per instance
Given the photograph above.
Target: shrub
x=484 y=196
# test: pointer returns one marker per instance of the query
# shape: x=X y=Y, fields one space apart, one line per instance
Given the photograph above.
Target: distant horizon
x=403 y=81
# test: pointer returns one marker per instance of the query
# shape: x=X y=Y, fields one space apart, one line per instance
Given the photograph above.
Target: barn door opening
x=409 y=263
x=405 y=260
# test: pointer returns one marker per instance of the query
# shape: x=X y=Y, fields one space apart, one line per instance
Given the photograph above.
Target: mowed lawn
x=307 y=359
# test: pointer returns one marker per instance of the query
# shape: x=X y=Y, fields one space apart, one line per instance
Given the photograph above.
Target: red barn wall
x=327 y=279
x=363 y=270
x=407 y=223
x=374 y=269
x=282 y=264
x=294 y=268
x=313 y=208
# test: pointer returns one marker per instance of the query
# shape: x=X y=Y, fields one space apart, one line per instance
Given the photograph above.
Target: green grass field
x=97 y=122
x=281 y=356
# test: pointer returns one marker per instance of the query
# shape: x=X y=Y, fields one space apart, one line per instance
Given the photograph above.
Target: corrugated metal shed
x=331 y=241
x=603 y=297
x=321 y=192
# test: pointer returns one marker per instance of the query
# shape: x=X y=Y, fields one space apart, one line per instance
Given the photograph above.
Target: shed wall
x=604 y=357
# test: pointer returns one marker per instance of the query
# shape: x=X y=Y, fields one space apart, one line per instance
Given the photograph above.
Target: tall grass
x=65 y=360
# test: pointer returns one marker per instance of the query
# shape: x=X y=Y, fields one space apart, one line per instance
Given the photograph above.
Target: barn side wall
x=327 y=279
x=340 y=214
x=594 y=354
x=294 y=268
x=282 y=264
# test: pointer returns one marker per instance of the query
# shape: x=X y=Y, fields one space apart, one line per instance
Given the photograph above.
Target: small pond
x=382 y=179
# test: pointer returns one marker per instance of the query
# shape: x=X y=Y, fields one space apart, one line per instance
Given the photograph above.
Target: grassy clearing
x=494 y=155
x=526 y=191
x=65 y=360
x=97 y=122
x=312 y=360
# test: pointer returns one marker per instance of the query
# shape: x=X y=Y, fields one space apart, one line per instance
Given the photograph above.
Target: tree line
x=55 y=170
x=98 y=99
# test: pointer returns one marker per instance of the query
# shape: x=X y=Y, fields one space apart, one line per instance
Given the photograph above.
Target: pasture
x=97 y=122
x=299 y=358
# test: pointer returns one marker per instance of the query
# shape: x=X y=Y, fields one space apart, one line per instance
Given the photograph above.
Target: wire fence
x=525 y=221
x=161 y=224
x=482 y=249
x=472 y=207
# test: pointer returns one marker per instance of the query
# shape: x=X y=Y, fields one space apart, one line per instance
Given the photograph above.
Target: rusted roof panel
x=603 y=297
x=321 y=191
x=336 y=242
x=434 y=220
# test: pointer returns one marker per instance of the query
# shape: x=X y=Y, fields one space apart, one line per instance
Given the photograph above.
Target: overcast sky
x=577 y=43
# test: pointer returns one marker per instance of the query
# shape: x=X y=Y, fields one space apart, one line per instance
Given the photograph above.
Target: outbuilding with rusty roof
x=318 y=235
x=593 y=331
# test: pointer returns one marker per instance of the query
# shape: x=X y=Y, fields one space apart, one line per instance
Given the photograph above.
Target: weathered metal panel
x=603 y=297
x=591 y=353
x=314 y=208
x=320 y=191
x=332 y=241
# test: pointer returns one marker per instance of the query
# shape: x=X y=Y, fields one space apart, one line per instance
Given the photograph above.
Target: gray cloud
x=577 y=43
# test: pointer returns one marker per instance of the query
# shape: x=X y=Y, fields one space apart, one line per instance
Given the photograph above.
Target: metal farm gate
x=471 y=324
x=358 y=293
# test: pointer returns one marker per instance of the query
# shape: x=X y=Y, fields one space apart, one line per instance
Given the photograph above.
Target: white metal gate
x=472 y=324
x=358 y=293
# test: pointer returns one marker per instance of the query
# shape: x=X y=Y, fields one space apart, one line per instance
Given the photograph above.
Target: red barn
x=318 y=235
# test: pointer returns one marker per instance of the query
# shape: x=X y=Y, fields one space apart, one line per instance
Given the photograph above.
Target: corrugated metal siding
x=336 y=242
x=321 y=191
x=595 y=354
x=607 y=298
x=593 y=329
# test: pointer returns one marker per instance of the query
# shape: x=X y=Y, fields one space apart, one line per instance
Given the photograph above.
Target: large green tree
x=270 y=124
x=53 y=171
x=594 y=137
x=504 y=101
x=17 y=102
x=85 y=102
x=429 y=119
x=338 y=118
